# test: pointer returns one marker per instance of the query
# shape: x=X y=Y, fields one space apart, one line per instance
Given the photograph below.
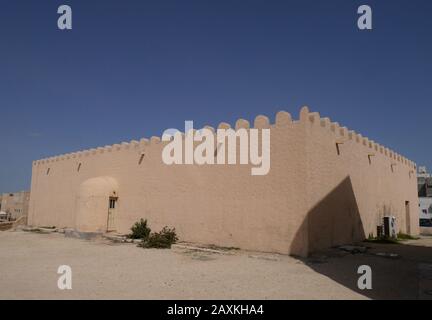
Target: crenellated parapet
x=282 y=119
x=314 y=118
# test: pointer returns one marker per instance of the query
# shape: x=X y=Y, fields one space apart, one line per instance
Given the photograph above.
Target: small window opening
x=112 y=203
x=141 y=158
x=338 y=148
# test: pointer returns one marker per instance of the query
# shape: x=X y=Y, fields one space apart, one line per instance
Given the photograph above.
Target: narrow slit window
x=337 y=149
x=141 y=158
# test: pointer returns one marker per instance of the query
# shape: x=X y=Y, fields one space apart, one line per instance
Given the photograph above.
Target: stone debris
x=118 y=238
x=71 y=233
x=197 y=248
x=46 y=230
x=265 y=257
x=353 y=249
x=37 y=229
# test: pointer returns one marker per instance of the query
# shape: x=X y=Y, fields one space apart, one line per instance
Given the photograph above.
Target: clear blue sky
x=130 y=69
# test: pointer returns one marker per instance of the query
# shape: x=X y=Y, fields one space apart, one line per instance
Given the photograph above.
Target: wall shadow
x=336 y=221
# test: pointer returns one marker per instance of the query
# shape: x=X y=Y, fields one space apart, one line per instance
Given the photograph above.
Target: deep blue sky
x=130 y=69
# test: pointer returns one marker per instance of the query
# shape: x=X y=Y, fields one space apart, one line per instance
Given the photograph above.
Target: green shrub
x=140 y=230
x=383 y=240
x=404 y=236
x=163 y=239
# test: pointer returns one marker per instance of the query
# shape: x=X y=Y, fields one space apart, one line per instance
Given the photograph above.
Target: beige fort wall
x=326 y=186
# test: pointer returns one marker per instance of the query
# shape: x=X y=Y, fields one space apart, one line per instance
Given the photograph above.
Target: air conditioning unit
x=390 y=227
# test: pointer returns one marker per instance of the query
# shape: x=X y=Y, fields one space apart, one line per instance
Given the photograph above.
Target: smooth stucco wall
x=311 y=198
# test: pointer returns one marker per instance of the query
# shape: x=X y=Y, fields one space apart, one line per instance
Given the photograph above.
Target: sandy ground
x=106 y=270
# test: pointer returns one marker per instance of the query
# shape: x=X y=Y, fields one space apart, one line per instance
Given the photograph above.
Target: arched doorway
x=96 y=205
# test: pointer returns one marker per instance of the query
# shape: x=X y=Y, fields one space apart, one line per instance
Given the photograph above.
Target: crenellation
x=134 y=144
x=325 y=122
x=314 y=117
x=242 y=124
x=155 y=140
x=108 y=148
x=283 y=119
x=334 y=127
x=261 y=122
x=210 y=128
x=224 y=125
x=144 y=141
x=304 y=114
x=343 y=131
x=359 y=138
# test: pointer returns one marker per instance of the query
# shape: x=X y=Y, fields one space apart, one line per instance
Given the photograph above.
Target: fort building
x=326 y=186
x=15 y=205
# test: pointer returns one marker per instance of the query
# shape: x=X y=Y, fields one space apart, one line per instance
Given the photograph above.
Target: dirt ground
x=105 y=270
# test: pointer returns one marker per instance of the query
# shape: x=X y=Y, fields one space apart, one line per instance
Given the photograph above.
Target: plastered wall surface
x=326 y=186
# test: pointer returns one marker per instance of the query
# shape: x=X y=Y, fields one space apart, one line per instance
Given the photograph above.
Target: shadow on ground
x=336 y=221
x=406 y=275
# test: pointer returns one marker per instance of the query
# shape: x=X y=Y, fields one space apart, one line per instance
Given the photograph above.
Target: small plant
x=163 y=239
x=140 y=230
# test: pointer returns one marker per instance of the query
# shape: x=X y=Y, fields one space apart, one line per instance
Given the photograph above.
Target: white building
x=425 y=205
x=422 y=173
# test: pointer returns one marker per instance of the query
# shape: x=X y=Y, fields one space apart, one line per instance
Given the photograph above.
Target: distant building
x=15 y=204
x=425 y=208
x=424 y=183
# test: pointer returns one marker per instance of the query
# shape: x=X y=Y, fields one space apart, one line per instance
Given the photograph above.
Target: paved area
x=106 y=270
